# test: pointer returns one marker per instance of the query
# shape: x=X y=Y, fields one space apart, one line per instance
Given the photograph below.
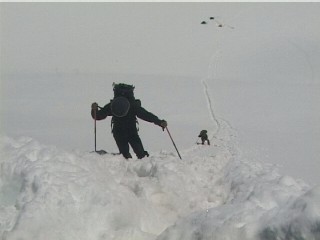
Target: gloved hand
x=163 y=124
x=94 y=106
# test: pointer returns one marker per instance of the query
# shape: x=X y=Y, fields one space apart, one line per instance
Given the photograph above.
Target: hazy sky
x=143 y=38
x=148 y=38
x=101 y=37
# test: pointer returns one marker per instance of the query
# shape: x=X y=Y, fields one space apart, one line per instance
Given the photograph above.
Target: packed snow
x=253 y=83
x=213 y=193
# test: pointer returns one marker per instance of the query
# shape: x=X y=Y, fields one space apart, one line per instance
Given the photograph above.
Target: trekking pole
x=173 y=143
x=95 y=127
x=95 y=130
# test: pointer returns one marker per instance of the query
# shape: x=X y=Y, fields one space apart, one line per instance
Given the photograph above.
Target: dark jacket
x=129 y=121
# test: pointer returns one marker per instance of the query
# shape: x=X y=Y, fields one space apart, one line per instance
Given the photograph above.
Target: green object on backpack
x=120 y=106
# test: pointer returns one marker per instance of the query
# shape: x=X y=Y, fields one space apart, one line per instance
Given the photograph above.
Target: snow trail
x=211 y=108
x=306 y=58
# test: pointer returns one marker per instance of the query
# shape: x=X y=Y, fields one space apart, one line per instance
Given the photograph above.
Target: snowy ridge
x=214 y=193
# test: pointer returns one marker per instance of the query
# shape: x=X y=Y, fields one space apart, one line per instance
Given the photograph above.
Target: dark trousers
x=130 y=136
x=203 y=139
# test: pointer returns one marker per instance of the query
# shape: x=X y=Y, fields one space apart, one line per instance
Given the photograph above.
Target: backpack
x=123 y=90
x=122 y=101
x=203 y=133
x=120 y=106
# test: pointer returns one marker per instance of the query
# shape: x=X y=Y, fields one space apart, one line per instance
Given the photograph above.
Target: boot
x=127 y=155
x=145 y=153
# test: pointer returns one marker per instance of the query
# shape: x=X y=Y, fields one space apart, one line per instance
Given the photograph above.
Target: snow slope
x=254 y=87
x=213 y=193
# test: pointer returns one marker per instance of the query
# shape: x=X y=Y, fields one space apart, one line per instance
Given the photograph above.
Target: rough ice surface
x=213 y=193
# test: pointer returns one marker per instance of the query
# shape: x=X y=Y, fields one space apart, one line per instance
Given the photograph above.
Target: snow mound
x=213 y=193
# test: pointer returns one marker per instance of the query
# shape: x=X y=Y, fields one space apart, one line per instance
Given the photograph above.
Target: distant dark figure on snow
x=125 y=109
x=204 y=137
